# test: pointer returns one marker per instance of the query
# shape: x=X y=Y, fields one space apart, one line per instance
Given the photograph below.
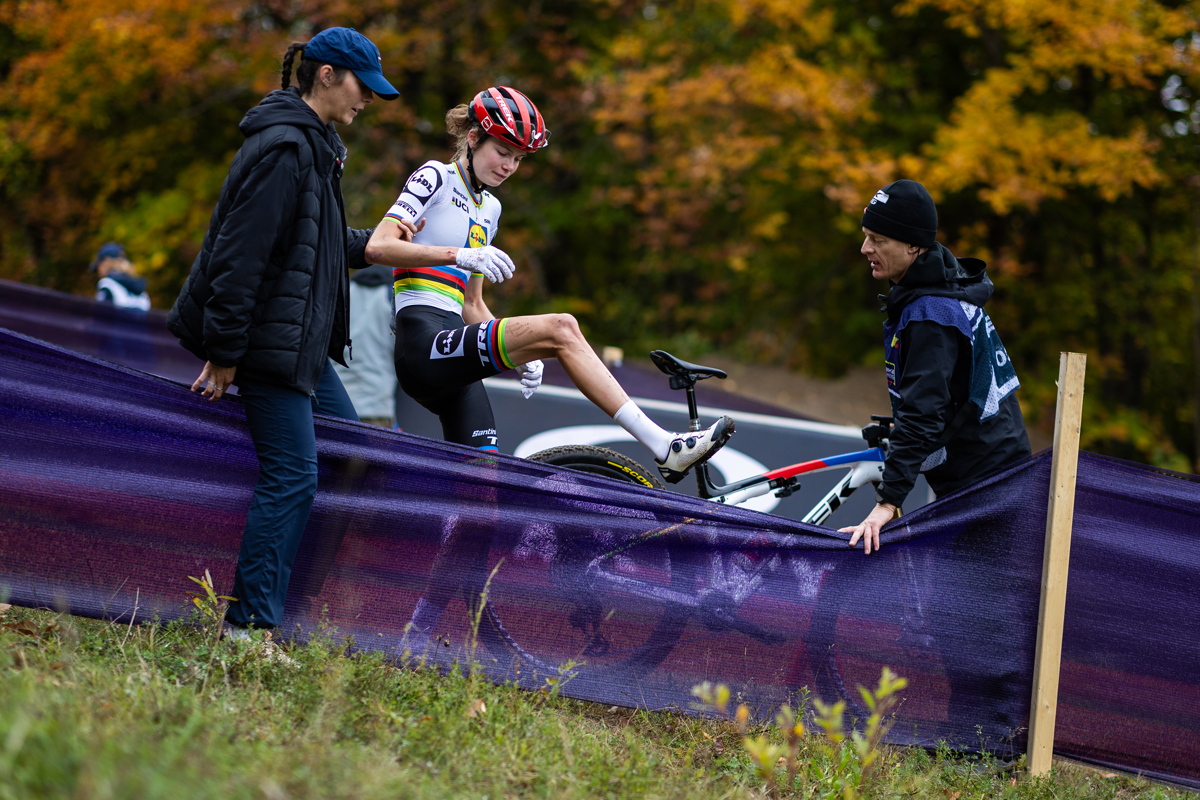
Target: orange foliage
x=780 y=91
x=1021 y=158
x=715 y=94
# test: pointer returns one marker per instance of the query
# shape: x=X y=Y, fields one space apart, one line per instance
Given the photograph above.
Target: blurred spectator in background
x=370 y=378
x=119 y=282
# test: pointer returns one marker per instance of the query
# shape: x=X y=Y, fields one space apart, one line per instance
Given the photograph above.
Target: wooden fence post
x=1063 y=470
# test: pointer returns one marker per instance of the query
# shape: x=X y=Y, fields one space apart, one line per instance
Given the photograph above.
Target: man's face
x=890 y=258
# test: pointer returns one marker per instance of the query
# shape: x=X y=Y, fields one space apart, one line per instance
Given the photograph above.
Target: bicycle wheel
x=600 y=461
x=565 y=593
x=823 y=656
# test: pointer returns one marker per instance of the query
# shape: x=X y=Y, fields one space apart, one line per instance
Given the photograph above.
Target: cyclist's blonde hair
x=458 y=125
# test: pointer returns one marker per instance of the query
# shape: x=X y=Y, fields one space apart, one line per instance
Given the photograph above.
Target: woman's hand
x=213 y=381
x=407 y=229
x=868 y=529
x=392 y=244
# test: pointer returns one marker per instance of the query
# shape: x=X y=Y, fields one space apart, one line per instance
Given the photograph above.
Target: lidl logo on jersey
x=423 y=183
x=476 y=235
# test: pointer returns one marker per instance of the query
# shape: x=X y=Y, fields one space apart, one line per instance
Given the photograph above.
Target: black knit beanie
x=903 y=211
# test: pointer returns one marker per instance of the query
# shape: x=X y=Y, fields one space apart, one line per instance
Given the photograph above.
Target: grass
x=91 y=709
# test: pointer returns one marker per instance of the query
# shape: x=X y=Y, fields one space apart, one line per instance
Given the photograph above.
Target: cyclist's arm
x=390 y=245
x=392 y=242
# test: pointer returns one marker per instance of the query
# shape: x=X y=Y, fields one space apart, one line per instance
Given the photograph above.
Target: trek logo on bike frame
x=448 y=344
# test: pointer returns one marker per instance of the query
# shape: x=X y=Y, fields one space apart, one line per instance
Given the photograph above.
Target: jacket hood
x=375 y=275
x=281 y=107
x=938 y=272
x=287 y=107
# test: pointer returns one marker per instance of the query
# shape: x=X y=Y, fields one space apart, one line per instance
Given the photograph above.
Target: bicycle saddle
x=678 y=368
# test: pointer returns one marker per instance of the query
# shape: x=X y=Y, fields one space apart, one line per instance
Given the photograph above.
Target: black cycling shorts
x=441 y=362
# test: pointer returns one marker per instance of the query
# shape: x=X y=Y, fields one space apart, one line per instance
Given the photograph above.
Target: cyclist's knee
x=564 y=331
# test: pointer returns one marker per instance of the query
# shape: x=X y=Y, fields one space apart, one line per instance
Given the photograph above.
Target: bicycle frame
x=865 y=466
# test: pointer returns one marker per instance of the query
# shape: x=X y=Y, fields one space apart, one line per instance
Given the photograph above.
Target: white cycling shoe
x=689 y=449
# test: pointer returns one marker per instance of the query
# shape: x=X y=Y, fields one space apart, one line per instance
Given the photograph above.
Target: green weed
x=848 y=761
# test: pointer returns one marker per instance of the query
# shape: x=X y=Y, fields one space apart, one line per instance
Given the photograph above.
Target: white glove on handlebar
x=491 y=262
x=531 y=377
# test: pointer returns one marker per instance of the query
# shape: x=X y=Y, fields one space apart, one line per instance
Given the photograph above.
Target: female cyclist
x=447 y=340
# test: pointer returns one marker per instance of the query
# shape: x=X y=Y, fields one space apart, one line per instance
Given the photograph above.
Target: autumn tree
x=708 y=165
x=756 y=130
x=119 y=120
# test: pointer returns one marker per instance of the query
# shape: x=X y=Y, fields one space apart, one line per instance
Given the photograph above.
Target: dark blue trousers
x=281 y=425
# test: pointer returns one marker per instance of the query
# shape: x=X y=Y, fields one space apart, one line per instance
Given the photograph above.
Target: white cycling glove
x=491 y=262
x=531 y=377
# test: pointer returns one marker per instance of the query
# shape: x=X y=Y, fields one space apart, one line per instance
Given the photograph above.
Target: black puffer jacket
x=269 y=291
x=942 y=358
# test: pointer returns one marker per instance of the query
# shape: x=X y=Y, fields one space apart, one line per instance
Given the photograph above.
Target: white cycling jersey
x=455 y=216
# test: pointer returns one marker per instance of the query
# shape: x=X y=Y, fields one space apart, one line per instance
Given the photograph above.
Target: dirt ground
x=850 y=400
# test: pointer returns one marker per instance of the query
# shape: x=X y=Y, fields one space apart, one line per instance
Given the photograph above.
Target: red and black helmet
x=511 y=117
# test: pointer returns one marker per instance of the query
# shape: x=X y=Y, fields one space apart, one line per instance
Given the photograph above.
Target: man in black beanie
x=952 y=386
x=953 y=394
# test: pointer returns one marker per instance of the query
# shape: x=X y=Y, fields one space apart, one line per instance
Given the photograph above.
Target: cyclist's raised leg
x=558 y=336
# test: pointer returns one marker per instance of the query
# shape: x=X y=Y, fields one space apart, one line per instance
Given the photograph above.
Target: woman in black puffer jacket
x=266 y=304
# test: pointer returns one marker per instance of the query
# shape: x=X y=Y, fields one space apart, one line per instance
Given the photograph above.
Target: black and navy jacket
x=952 y=386
x=269 y=291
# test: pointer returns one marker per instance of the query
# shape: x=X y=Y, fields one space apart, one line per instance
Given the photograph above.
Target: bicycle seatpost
x=693 y=408
x=684 y=375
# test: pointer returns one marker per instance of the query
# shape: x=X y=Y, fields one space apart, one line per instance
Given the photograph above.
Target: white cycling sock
x=644 y=429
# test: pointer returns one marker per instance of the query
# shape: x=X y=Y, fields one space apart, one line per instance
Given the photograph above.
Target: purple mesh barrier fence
x=132 y=338
x=1129 y=696
x=116 y=486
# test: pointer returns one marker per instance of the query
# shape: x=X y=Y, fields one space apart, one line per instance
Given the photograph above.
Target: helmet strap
x=476 y=184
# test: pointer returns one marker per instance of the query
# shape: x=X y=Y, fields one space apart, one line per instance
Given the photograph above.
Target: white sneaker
x=234 y=632
x=269 y=651
x=692 y=448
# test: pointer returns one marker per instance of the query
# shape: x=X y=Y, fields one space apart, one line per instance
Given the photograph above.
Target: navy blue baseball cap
x=346 y=47
x=107 y=250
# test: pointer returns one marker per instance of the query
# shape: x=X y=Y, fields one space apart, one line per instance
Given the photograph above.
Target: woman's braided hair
x=306 y=73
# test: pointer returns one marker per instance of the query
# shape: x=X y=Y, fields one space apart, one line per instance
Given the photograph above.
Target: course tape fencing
x=116 y=486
